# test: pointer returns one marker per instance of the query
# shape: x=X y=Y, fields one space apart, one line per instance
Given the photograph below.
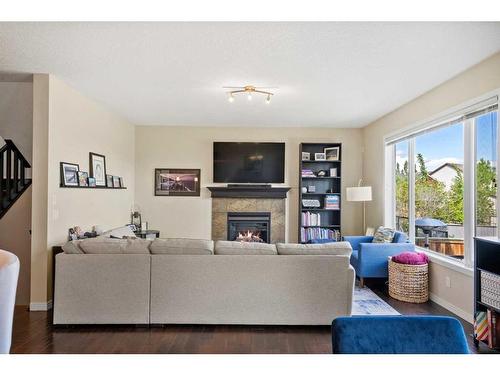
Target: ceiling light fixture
x=249 y=90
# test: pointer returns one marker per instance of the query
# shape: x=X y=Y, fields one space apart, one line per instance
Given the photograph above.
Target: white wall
x=474 y=82
x=76 y=125
x=181 y=147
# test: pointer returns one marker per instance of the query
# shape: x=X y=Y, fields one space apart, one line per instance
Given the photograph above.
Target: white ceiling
x=328 y=74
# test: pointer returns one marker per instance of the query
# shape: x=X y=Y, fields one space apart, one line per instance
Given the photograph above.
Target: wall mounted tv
x=246 y=162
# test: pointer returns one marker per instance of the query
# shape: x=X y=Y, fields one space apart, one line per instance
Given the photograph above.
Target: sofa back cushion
x=105 y=245
x=182 y=246
x=72 y=247
x=399 y=237
x=244 y=248
x=332 y=248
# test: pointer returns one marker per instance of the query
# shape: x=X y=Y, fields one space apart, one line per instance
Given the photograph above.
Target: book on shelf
x=487 y=328
x=308 y=234
x=332 y=202
x=310 y=219
x=308 y=173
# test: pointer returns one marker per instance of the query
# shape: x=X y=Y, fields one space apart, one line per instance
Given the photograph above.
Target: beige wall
x=477 y=81
x=16 y=123
x=15 y=237
x=16 y=114
x=180 y=147
x=76 y=126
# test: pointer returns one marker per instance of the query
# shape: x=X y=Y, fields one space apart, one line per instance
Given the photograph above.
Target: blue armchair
x=370 y=259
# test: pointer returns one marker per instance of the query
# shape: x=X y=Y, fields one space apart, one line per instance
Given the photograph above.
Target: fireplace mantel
x=248 y=192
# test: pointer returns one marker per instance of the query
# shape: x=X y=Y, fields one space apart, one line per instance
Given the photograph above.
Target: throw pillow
x=383 y=235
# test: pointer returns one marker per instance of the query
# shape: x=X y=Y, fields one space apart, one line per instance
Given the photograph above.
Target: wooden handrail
x=10 y=145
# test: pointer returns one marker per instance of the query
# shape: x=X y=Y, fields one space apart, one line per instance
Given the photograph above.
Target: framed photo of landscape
x=69 y=174
x=177 y=182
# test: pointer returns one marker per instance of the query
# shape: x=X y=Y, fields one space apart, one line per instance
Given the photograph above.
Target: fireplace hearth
x=249 y=226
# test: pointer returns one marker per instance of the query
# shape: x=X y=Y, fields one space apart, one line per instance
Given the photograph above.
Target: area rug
x=366 y=302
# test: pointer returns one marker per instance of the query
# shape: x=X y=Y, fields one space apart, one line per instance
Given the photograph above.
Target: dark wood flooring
x=34 y=333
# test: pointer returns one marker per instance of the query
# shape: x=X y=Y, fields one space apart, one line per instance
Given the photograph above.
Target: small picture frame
x=306 y=156
x=69 y=174
x=121 y=181
x=83 y=179
x=311 y=189
x=333 y=172
x=109 y=180
x=319 y=156
x=98 y=168
x=116 y=181
x=332 y=153
x=92 y=182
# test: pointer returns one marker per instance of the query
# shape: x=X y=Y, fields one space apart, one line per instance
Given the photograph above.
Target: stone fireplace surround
x=222 y=206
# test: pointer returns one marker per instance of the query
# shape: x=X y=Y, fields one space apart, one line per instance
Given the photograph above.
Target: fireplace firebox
x=249 y=226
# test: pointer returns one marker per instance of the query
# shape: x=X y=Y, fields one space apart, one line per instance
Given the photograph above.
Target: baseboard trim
x=41 y=306
x=454 y=309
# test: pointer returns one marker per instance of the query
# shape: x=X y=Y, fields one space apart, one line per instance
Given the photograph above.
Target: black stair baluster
x=16 y=173
x=8 y=175
x=23 y=176
x=2 y=181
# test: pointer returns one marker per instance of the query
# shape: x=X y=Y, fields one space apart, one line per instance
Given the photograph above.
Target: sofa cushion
x=182 y=246
x=332 y=248
x=72 y=247
x=244 y=248
x=105 y=245
x=383 y=235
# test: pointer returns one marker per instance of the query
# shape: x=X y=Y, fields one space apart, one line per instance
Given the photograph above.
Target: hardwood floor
x=34 y=333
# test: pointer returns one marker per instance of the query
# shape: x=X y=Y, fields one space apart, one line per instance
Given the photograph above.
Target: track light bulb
x=230 y=98
x=249 y=96
x=268 y=100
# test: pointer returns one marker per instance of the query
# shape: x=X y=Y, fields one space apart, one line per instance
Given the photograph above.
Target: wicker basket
x=409 y=283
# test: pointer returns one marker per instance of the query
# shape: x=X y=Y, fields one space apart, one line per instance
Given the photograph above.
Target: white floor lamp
x=360 y=194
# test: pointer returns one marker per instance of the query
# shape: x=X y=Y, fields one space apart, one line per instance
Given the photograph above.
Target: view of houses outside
x=439 y=185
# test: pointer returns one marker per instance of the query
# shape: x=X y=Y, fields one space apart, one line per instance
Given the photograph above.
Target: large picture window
x=444 y=182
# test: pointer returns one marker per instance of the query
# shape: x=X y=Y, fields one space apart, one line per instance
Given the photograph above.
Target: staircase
x=13 y=181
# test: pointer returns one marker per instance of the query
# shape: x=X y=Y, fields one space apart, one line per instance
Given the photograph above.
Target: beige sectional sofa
x=174 y=281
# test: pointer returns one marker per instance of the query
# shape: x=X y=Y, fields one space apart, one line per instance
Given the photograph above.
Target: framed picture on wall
x=177 y=182
x=98 y=168
x=83 y=179
x=69 y=174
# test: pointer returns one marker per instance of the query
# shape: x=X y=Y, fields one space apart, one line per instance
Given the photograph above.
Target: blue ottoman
x=398 y=335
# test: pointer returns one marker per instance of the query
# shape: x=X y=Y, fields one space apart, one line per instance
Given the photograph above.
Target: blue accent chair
x=419 y=334
x=370 y=259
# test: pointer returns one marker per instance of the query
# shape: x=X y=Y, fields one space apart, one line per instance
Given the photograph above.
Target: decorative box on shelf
x=490 y=289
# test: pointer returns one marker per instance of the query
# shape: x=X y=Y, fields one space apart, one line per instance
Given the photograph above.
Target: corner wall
x=474 y=82
x=73 y=126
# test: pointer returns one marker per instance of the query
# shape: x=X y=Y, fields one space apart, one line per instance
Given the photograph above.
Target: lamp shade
x=359 y=194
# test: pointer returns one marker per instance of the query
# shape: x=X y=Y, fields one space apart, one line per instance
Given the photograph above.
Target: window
x=444 y=181
x=439 y=190
x=402 y=178
x=486 y=166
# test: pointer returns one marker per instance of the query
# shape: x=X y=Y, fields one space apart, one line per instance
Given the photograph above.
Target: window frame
x=469 y=137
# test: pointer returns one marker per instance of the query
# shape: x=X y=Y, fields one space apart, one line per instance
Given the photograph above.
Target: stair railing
x=13 y=167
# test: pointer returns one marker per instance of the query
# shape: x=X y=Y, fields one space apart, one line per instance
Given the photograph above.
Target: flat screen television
x=246 y=162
